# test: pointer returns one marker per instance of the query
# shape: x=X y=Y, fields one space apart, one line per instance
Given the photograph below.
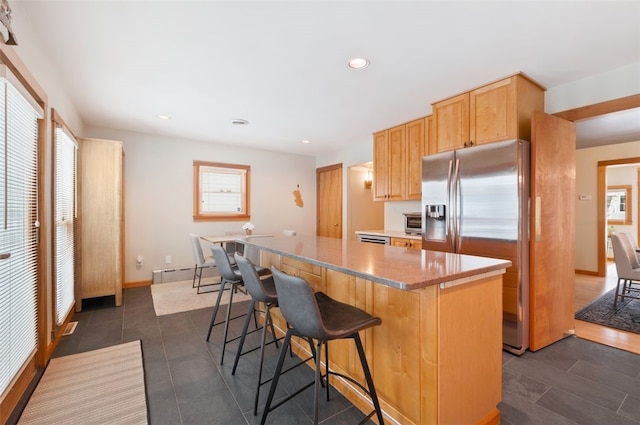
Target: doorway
x=362 y=212
x=585 y=113
x=603 y=224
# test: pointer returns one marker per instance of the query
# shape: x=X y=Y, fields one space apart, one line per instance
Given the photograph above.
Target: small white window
x=220 y=191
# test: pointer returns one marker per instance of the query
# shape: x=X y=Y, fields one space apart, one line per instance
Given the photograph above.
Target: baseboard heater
x=183 y=273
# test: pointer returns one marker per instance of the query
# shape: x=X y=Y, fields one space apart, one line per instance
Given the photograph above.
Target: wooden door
x=380 y=165
x=416 y=149
x=451 y=123
x=329 y=205
x=552 y=243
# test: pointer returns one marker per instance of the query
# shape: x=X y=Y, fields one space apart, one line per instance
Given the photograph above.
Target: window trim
x=197 y=193
x=628 y=205
x=58 y=123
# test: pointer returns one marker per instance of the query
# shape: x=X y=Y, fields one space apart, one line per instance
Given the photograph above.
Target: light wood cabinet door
x=493 y=112
x=406 y=243
x=380 y=165
x=389 y=169
x=396 y=177
x=417 y=147
x=451 y=123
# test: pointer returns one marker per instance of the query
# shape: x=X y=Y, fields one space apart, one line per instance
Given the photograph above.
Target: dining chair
x=627 y=267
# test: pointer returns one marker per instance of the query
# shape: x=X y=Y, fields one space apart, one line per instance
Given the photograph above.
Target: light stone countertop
x=397 y=267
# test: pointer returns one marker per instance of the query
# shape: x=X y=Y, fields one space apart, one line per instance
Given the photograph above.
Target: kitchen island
x=437 y=357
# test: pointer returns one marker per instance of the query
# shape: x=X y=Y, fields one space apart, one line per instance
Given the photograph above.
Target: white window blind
x=222 y=190
x=65 y=214
x=18 y=228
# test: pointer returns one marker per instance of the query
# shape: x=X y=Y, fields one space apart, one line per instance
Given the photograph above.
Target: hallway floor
x=573 y=381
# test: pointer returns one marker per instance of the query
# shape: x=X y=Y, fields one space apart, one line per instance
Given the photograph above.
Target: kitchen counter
x=406 y=269
x=437 y=356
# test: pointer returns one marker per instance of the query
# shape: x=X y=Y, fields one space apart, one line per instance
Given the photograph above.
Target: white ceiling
x=283 y=65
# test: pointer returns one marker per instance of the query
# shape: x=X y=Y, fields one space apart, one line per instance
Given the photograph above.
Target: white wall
x=159 y=196
x=587 y=211
x=613 y=84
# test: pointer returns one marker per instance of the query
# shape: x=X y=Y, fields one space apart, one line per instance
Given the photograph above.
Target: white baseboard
x=182 y=273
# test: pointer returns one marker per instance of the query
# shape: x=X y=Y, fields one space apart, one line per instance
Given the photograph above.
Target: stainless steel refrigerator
x=476 y=201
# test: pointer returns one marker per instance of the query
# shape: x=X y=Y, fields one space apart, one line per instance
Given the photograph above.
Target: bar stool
x=228 y=276
x=321 y=318
x=264 y=291
x=201 y=262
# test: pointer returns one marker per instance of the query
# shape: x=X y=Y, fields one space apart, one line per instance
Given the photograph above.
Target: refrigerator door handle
x=450 y=214
x=455 y=239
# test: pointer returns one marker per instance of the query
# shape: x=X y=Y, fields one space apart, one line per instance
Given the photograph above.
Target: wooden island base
x=436 y=358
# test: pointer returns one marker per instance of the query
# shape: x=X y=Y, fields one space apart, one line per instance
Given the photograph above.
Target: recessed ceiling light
x=358 y=63
x=239 y=121
x=163 y=117
x=305 y=141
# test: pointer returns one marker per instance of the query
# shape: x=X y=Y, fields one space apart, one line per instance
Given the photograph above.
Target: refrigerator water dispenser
x=435 y=223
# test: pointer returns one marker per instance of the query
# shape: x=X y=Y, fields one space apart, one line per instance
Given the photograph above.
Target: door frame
x=590 y=111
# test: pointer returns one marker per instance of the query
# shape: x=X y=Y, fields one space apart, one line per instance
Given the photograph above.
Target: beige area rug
x=104 y=386
x=175 y=297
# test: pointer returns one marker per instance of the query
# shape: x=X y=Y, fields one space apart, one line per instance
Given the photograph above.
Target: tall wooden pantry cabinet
x=100 y=231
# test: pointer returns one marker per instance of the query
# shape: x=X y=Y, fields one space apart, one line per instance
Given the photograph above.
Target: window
x=221 y=191
x=619 y=204
x=65 y=150
x=19 y=115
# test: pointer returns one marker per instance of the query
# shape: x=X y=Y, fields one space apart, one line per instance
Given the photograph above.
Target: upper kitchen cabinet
x=418 y=137
x=498 y=111
x=389 y=170
x=397 y=160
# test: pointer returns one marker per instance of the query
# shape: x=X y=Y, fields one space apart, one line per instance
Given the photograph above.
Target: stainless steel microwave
x=413 y=223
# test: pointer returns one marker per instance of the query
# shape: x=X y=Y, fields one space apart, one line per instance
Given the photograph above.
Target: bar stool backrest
x=223 y=264
x=197 y=249
x=298 y=305
x=250 y=277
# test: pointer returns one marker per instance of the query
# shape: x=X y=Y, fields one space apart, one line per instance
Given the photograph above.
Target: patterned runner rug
x=626 y=315
x=104 y=386
x=175 y=297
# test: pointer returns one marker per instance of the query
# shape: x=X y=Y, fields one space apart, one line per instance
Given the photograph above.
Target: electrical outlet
x=167 y=259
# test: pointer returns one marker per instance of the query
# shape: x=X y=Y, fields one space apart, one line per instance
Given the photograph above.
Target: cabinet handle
x=5 y=255
x=471 y=143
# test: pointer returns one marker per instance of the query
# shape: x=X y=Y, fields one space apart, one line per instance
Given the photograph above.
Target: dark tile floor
x=571 y=382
